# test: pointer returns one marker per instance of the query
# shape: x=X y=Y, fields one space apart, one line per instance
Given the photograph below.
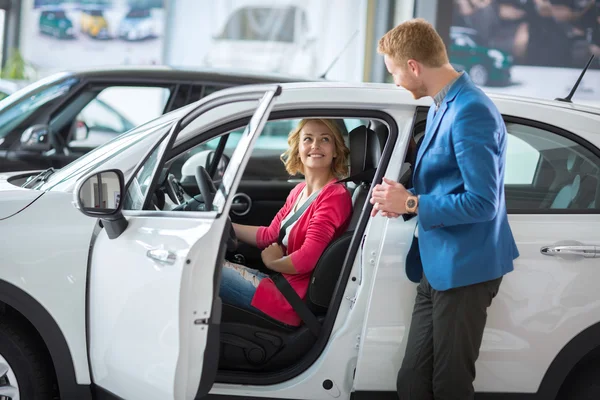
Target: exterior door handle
x=584 y=251
x=162 y=256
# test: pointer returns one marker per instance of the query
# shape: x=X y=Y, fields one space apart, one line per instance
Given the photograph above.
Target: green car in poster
x=485 y=66
x=56 y=23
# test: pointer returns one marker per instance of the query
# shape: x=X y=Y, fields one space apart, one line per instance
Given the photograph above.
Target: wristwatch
x=412 y=202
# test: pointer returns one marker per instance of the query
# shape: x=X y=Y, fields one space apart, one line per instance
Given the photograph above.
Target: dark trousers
x=443 y=341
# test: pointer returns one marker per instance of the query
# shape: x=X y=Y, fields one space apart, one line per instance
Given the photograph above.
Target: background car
x=93 y=22
x=71 y=113
x=137 y=24
x=485 y=66
x=265 y=38
x=55 y=22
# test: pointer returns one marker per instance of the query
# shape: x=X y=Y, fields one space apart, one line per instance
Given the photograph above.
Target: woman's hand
x=245 y=233
x=272 y=253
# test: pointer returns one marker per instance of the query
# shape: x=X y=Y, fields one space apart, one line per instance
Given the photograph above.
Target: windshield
x=122 y=152
x=17 y=107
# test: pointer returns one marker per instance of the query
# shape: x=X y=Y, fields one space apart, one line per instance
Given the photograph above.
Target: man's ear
x=414 y=67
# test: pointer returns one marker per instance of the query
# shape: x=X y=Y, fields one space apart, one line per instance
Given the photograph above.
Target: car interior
x=252 y=341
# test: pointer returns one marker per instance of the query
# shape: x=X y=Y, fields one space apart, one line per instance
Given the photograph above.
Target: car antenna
x=324 y=74
x=568 y=98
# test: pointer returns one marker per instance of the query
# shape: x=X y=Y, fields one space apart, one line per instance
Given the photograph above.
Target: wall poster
x=533 y=48
x=62 y=34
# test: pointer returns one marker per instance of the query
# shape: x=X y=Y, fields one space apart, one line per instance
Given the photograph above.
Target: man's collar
x=439 y=97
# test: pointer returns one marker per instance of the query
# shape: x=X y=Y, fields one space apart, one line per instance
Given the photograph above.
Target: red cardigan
x=324 y=219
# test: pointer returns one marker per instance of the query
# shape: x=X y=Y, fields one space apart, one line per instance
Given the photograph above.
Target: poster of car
x=533 y=48
x=58 y=34
x=292 y=37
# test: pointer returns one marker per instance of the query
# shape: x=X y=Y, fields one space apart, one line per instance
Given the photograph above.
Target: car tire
x=582 y=383
x=25 y=369
x=479 y=74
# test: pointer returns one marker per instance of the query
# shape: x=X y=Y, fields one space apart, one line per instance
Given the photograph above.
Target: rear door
x=153 y=299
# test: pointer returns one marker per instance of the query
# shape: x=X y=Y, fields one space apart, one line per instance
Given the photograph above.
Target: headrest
x=365 y=150
x=573 y=162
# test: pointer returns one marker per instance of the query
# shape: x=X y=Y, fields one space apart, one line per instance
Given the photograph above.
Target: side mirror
x=99 y=195
x=36 y=138
x=82 y=131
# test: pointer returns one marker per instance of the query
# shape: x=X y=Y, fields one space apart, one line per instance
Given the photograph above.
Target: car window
x=265 y=161
x=18 y=107
x=522 y=162
x=547 y=171
x=116 y=110
x=138 y=188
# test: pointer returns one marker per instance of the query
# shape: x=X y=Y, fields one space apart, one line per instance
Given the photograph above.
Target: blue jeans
x=238 y=285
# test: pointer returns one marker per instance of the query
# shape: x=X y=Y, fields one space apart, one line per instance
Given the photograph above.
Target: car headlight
x=497 y=56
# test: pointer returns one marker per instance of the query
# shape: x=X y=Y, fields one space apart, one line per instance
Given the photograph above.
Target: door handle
x=162 y=256
x=584 y=251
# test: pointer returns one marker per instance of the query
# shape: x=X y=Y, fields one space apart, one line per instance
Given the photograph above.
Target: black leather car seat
x=252 y=341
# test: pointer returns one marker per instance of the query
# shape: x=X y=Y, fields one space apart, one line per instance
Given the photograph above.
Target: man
x=465 y=243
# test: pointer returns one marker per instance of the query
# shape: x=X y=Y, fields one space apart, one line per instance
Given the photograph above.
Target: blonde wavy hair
x=291 y=158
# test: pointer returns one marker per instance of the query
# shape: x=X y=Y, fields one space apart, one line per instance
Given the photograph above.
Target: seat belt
x=284 y=286
x=295 y=217
x=297 y=303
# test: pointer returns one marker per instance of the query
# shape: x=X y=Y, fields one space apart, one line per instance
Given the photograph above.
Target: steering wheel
x=174 y=189
x=206 y=186
x=208 y=190
x=58 y=143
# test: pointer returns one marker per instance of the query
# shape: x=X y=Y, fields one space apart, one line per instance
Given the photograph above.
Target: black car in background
x=59 y=118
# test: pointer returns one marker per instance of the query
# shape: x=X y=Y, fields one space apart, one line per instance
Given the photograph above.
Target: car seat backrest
x=586 y=195
x=566 y=194
x=365 y=153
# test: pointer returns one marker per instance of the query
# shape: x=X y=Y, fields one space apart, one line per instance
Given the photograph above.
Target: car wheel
x=582 y=383
x=479 y=74
x=25 y=371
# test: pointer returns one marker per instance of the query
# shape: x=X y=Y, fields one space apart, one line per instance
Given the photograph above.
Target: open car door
x=154 y=309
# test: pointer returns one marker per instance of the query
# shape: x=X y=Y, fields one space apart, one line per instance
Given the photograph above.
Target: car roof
x=194 y=74
x=389 y=89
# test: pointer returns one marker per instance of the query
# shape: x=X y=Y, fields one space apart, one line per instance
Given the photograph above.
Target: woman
x=316 y=150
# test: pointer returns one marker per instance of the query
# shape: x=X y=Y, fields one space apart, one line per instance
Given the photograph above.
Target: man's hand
x=272 y=253
x=389 y=198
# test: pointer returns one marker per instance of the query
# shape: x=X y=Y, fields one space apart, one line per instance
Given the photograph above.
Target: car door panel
x=154 y=307
x=265 y=200
x=134 y=305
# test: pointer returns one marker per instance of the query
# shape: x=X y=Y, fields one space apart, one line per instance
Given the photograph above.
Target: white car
x=273 y=38
x=110 y=266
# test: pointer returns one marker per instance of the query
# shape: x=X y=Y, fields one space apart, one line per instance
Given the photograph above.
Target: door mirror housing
x=36 y=138
x=82 y=131
x=100 y=195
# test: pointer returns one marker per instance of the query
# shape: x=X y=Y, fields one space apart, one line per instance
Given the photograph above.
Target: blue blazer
x=464 y=236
